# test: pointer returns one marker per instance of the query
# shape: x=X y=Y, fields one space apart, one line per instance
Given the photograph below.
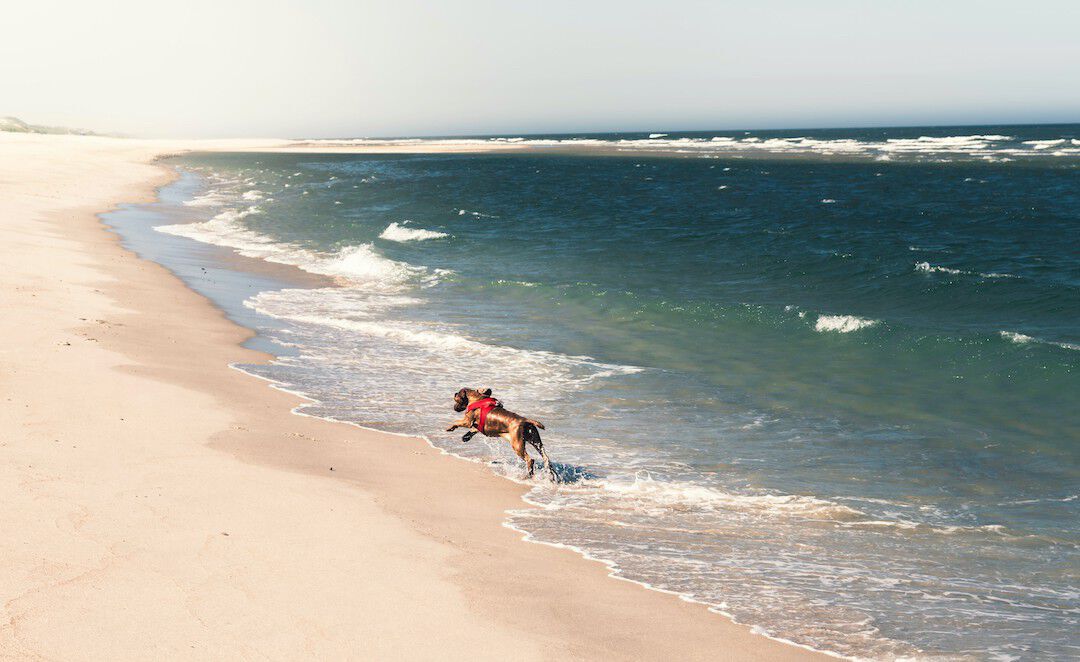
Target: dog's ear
x=486 y=392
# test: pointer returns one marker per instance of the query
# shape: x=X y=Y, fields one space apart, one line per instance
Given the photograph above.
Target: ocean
x=825 y=382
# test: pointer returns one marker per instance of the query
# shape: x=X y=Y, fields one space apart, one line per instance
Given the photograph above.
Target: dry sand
x=155 y=503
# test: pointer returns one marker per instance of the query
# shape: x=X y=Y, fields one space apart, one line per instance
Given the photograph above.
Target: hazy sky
x=371 y=67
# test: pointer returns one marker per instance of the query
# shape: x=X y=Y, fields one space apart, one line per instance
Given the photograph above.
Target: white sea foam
x=926 y=267
x=1025 y=502
x=1018 y=338
x=345 y=310
x=356 y=264
x=210 y=199
x=363 y=263
x=477 y=214
x=989 y=146
x=682 y=495
x=842 y=323
x=1044 y=144
x=1024 y=339
x=399 y=232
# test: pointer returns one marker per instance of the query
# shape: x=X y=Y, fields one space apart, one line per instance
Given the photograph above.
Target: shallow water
x=829 y=394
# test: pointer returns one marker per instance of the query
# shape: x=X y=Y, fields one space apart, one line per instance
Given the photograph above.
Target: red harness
x=485 y=405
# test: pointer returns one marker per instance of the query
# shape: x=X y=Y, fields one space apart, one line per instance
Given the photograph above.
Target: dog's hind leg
x=517 y=442
x=532 y=435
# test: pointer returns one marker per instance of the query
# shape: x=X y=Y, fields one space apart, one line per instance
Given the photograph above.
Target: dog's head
x=466 y=395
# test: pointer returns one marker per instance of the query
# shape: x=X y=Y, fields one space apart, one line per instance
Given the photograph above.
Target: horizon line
x=424 y=136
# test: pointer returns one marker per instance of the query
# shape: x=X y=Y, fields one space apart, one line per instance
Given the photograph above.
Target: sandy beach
x=159 y=505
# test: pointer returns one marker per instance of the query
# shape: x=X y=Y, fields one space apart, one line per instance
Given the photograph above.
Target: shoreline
x=305 y=279
x=463 y=583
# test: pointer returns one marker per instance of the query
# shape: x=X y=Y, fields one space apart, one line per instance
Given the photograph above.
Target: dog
x=482 y=410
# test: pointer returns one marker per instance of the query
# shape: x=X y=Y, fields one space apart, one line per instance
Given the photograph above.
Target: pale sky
x=334 y=68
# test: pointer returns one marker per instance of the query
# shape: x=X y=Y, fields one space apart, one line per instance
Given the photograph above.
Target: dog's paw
x=468 y=435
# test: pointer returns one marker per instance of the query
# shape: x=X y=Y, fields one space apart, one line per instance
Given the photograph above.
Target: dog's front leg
x=462 y=422
x=466 y=421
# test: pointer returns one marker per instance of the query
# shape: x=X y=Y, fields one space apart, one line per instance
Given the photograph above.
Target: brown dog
x=499 y=422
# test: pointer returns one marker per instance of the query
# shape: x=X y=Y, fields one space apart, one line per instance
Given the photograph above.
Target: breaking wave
x=353 y=264
x=477 y=214
x=928 y=268
x=1024 y=339
x=991 y=147
x=842 y=323
x=399 y=232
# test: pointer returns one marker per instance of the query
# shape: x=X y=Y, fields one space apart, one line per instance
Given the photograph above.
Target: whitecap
x=926 y=267
x=842 y=323
x=986 y=146
x=1044 y=144
x=398 y=232
x=477 y=214
x=1024 y=339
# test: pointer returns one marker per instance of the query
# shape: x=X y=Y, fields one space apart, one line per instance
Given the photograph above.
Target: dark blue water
x=823 y=381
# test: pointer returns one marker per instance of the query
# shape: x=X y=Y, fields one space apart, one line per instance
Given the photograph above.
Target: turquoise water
x=825 y=382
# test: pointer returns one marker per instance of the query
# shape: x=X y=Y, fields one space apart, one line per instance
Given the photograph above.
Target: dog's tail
x=531 y=436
